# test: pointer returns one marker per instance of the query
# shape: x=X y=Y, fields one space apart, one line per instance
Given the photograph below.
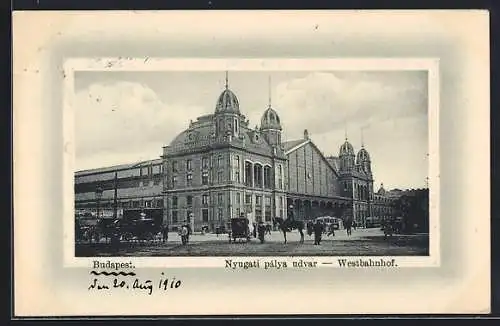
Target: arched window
x=248 y=174
x=258 y=175
x=221 y=124
x=267 y=176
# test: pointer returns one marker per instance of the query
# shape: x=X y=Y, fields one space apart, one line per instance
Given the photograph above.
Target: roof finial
x=345 y=128
x=269 y=91
x=227 y=80
x=362 y=139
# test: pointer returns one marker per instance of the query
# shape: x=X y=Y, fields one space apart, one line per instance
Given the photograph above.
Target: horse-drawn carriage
x=239 y=229
x=143 y=229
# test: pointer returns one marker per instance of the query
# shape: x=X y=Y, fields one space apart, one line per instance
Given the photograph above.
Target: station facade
x=220 y=168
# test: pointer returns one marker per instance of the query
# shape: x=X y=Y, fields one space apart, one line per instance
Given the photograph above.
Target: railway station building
x=220 y=168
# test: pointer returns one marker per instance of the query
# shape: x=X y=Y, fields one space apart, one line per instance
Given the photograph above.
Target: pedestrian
x=189 y=231
x=310 y=228
x=184 y=234
x=254 y=230
x=164 y=232
x=261 y=231
x=318 y=231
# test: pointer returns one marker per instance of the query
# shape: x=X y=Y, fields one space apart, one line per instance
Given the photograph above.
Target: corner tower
x=227 y=117
x=346 y=156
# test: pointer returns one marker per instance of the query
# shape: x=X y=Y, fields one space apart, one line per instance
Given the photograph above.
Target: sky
x=126 y=117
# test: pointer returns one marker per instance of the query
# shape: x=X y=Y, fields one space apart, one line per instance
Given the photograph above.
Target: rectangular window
x=204 y=214
x=204 y=162
x=174 y=181
x=219 y=214
x=237 y=168
x=144 y=171
x=238 y=212
x=204 y=178
x=220 y=163
x=258 y=200
x=189 y=200
x=268 y=214
x=189 y=165
x=280 y=177
x=248 y=199
x=136 y=204
x=189 y=180
x=159 y=203
x=267 y=201
x=148 y=204
x=174 y=166
x=204 y=199
x=174 y=217
x=238 y=198
x=220 y=176
x=174 y=202
x=220 y=199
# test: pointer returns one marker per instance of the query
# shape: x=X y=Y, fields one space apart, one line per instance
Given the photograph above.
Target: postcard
x=336 y=163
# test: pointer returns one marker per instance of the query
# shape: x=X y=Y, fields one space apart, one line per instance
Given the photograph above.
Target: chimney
x=306 y=134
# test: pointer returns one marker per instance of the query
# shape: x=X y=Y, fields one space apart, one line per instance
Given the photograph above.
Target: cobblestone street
x=362 y=242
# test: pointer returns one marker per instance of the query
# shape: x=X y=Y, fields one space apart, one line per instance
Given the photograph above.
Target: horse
x=289 y=225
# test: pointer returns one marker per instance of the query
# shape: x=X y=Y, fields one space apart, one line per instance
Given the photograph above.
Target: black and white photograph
x=257 y=163
x=251 y=163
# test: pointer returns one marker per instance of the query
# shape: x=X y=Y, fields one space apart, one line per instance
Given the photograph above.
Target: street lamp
x=98 y=196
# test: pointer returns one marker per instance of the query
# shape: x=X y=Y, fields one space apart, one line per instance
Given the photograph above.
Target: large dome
x=363 y=156
x=346 y=149
x=270 y=120
x=227 y=103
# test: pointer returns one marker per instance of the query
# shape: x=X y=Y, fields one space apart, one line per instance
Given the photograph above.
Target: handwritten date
x=147 y=286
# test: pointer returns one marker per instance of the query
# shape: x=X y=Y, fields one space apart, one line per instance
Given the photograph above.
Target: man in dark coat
x=261 y=230
x=310 y=228
x=318 y=231
x=164 y=232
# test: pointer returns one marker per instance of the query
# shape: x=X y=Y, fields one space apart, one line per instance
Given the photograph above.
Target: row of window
x=205 y=164
x=255 y=174
x=205 y=200
x=149 y=203
x=176 y=218
x=204 y=216
x=122 y=184
x=151 y=170
x=360 y=192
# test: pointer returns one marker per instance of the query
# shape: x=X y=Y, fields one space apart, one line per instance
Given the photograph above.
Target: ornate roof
x=362 y=156
x=346 y=149
x=270 y=120
x=227 y=103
